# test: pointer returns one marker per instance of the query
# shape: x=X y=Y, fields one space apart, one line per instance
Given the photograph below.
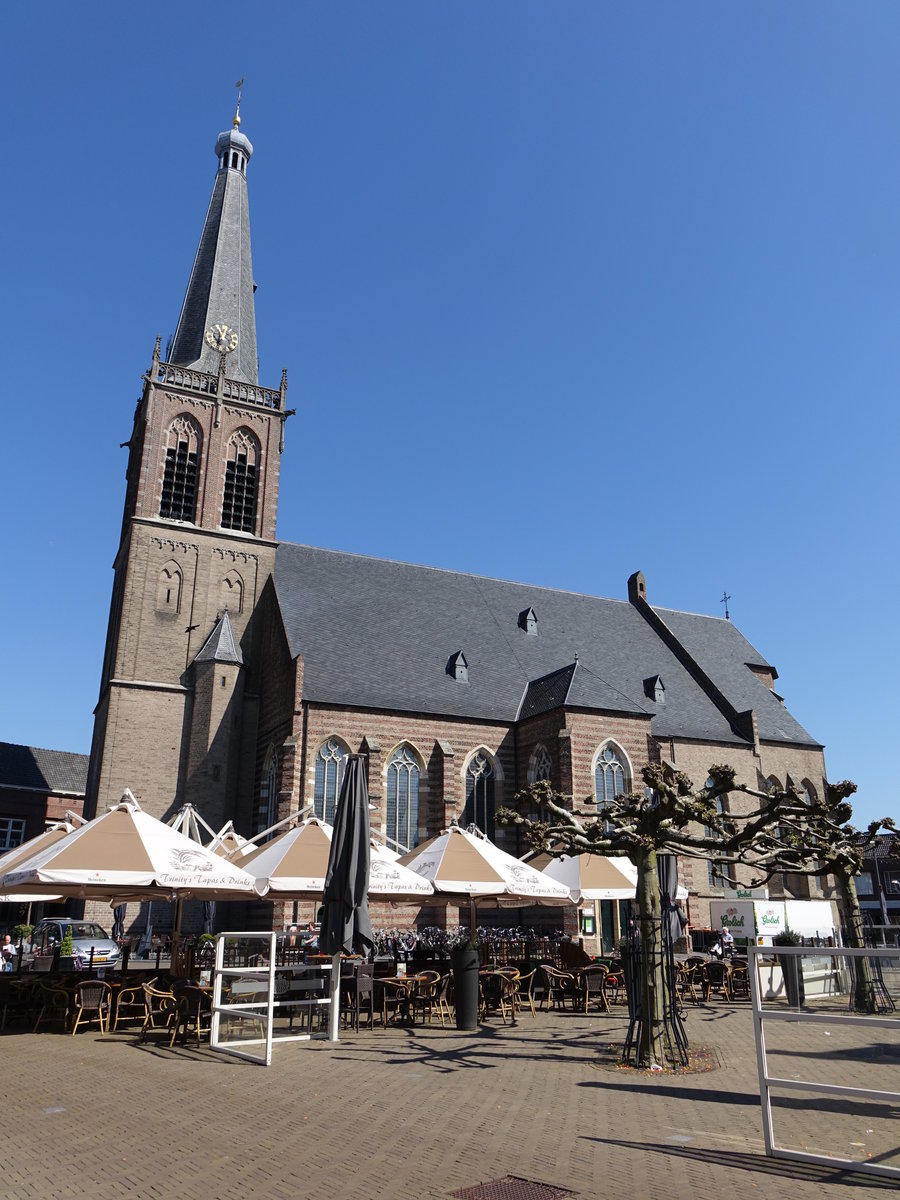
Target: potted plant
x=465 y=959
x=791 y=967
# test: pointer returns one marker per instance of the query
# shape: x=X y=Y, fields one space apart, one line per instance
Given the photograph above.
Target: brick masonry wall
x=695 y=759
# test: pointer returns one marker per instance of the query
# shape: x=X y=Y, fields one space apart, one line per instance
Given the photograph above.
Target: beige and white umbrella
x=9 y=861
x=464 y=864
x=293 y=865
x=127 y=853
x=593 y=877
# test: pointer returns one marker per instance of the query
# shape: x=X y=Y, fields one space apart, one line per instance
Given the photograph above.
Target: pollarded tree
x=670 y=816
x=820 y=840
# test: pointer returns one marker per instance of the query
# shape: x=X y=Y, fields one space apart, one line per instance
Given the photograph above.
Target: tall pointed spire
x=217 y=316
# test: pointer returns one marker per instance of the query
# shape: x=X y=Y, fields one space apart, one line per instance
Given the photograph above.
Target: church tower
x=177 y=713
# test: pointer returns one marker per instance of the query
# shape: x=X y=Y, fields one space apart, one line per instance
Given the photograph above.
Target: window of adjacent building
x=12 y=832
x=329 y=772
x=891 y=881
x=479 y=808
x=864 y=885
x=239 y=502
x=179 y=489
x=610 y=776
x=402 y=809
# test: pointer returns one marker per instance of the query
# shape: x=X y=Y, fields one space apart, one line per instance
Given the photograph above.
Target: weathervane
x=237 y=112
x=724 y=600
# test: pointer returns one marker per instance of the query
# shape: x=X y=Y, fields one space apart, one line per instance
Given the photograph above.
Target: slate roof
x=725 y=654
x=42 y=770
x=220 y=646
x=377 y=634
x=220 y=288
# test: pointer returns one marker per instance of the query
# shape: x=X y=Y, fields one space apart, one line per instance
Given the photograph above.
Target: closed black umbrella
x=345 y=905
x=118 y=929
x=673 y=917
x=209 y=915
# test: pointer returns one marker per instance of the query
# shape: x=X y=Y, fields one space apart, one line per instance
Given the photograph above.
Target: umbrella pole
x=473 y=927
x=334 y=1010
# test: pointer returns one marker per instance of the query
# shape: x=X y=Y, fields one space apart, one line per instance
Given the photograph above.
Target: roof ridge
x=400 y=562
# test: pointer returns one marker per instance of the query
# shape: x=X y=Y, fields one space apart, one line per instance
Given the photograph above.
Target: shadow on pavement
x=759 y=1164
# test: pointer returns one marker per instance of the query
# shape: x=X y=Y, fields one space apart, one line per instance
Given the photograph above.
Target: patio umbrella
x=345 y=904
x=345 y=919
x=209 y=916
x=293 y=866
x=127 y=853
x=674 y=919
x=465 y=865
x=118 y=929
x=594 y=877
x=51 y=835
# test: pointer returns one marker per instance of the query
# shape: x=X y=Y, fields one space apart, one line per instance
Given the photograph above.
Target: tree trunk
x=864 y=988
x=649 y=908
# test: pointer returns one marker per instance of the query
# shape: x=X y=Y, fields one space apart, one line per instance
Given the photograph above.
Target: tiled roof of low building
x=32 y=768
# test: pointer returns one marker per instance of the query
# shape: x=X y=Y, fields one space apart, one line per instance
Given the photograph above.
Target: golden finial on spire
x=237 y=112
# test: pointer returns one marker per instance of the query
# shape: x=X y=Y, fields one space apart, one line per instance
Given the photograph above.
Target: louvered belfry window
x=239 y=503
x=179 y=489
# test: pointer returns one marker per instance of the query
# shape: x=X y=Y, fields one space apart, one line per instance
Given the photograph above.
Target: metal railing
x=835 y=1019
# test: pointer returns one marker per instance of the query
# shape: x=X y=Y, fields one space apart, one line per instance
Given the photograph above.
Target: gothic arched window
x=714 y=867
x=179 y=488
x=480 y=794
x=611 y=776
x=268 y=792
x=540 y=765
x=329 y=772
x=231 y=593
x=241 y=470
x=168 y=589
x=402 y=809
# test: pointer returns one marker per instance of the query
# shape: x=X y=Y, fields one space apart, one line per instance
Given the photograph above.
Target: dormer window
x=528 y=620
x=655 y=689
x=458 y=668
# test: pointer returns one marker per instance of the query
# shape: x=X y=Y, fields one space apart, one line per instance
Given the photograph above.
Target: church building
x=241 y=670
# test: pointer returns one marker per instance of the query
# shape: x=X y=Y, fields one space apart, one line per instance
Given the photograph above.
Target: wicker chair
x=716 y=978
x=560 y=987
x=193 y=1013
x=159 y=1009
x=56 y=1005
x=129 y=1005
x=593 y=983
x=525 y=991
x=93 y=999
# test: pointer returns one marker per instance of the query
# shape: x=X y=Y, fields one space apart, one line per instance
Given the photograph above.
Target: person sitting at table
x=727 y=940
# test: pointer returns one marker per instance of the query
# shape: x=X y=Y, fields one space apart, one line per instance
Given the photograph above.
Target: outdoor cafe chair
x=525 y=991
x=690 y=981
x=423 y=992
x=193 y=1013
x=497 y=992
x=358 y=993
x=740 y=981
x=92 y=1001
x=561 y=986
x=717 y=978
x=159 y=1009
x=394 y=998
x=593 y=983
x=56 y=1005
x=440 y=1001
x=128 y=1004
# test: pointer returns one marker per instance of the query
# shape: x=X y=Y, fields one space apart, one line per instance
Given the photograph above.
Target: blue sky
x=564 y=291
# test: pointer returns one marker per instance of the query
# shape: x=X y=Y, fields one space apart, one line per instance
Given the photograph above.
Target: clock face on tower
x=221 y=338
